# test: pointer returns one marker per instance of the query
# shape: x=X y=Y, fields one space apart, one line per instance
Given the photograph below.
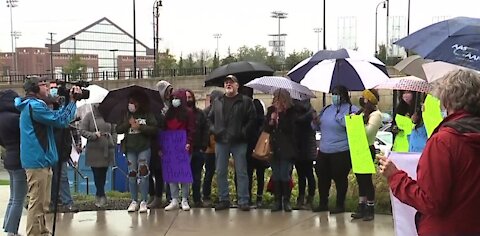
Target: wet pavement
x=208 y=222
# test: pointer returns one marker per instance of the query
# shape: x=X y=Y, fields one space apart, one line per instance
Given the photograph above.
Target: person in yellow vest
x=373 y=120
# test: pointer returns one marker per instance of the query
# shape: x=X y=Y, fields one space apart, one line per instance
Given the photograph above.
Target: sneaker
x=133 y=207
x=222 y=205
x=244 y=207
x=103 y=201
x=185 y=205
x=72 y=209
x=97 y=201
x=207 y=202
x=143 y=207
x=172 y=206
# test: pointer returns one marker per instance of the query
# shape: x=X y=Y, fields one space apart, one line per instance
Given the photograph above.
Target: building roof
x=56 y=46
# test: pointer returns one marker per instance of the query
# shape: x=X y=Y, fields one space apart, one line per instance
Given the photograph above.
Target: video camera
x=64 y=91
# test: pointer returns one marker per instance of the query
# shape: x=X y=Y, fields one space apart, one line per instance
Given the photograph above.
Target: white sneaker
x=173 y=205
x=143 y=207
x=185 y=205
x=133 y=207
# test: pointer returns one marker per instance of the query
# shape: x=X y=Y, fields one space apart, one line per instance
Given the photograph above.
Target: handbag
x=262 y=149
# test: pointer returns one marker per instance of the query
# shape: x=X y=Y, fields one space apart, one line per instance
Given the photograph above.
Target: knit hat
x=371 y=95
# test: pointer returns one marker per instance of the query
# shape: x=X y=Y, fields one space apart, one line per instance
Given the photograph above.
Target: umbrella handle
x=93 y=116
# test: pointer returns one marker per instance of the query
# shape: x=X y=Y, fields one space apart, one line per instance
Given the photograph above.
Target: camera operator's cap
x=33 y=81
x=232 y=78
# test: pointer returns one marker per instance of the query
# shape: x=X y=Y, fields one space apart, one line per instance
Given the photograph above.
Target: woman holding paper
x=99 y=150
x=373 y=120
x=180 y=117
x=333 y=160
x=446 y=193
x=138 y=126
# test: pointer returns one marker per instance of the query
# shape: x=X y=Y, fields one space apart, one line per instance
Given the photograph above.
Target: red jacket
x=447 y=190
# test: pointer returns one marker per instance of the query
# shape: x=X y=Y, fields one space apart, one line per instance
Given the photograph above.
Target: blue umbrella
x=456 y=41
x=327 y=69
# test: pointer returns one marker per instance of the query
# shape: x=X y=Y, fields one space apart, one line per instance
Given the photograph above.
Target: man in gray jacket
x=233 y=117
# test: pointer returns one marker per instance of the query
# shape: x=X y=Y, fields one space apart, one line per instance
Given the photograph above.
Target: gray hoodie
x=162 y=87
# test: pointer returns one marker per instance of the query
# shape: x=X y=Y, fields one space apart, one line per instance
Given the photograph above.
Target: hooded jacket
x=37 y=139
x=174 y=122
x=200 y=140
x=162 y=87
x=446 y=193
x=9 y=130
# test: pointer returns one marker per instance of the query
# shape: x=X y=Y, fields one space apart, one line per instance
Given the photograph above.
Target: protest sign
x=362 y=162
x=404 y=215
x=175 y=159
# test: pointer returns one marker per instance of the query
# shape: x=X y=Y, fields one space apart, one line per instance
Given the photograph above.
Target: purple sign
x=175 y=159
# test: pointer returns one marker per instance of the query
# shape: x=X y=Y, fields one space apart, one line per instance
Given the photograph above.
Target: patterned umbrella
x=268 y=84
x=409 y=83
x=327 y=69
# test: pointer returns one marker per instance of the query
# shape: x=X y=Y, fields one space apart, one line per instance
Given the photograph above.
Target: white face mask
x=176 y=102
x=444 y=113
x=132 y=108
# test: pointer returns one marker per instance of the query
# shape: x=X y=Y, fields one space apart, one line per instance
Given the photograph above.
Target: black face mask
x=190 y=103
x=361 y=101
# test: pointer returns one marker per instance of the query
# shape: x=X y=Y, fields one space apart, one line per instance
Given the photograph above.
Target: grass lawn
x=4 y=182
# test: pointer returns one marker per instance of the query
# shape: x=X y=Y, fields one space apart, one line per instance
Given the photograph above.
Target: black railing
x=112 y=75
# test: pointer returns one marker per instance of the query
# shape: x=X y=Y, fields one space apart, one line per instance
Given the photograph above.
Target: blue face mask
x=176 y=102
x=444 y=113
x=336 y=99
x=54 y=92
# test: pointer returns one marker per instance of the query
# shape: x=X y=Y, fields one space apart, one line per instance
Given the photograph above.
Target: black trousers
x=333 y=166
x=365 y=183
x=155 y=180
x=99 y=178
x=305 y=173
x=260 y=171
x=208 y=177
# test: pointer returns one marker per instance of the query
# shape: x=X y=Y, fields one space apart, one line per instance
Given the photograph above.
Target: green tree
x=167 y=61
x=256 y=54
x=229 y=59
x=75 y=68
x=180 y=66
x=216 y=61
x=201 y=58
x=190 y=63
x=272 y=62
x=296 y=57
x=382 y=53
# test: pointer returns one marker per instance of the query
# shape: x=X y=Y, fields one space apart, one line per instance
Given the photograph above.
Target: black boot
x=277 y=192
x=369 y=213
x=300 y=202
x=287 y=207
x=360 y=213
x=259 y=203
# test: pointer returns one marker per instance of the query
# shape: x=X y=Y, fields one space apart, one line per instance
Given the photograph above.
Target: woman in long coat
x=99 y=150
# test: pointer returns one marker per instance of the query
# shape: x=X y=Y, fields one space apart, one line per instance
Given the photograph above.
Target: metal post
x=217 y=36
x=11 y=4
x=387 y=44
x=134 y=44
x=318 y=31
x=51 y=54
x=376 y=24
x=324 y=96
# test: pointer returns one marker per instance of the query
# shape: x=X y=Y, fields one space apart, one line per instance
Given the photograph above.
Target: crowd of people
x=39 y=130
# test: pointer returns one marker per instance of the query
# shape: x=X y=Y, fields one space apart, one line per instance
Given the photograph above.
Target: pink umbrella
x=409 y=83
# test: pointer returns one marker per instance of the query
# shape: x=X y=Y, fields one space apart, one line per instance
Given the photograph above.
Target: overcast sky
x=188 y=25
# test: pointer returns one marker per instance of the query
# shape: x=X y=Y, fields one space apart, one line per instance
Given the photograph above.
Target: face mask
x=176 y=102
x=132 y=108
x=336 y=99
x=54 y=92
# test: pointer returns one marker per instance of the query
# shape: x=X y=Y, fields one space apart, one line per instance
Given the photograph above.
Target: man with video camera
x=38 y=152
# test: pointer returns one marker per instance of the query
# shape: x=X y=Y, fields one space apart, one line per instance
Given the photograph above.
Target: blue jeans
x=197 y=162
x=175 y=191
x=18 y=191
x=281 y=170
x=138 y=172
x=222 y=151
x=64 y=193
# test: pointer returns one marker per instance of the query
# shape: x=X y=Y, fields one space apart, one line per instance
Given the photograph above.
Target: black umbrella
x=245 y=71
x=115 y=105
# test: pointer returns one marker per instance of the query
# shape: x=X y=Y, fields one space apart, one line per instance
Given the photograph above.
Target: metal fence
x=111 y=75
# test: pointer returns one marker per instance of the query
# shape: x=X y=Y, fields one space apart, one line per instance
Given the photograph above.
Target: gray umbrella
x=412 y=65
